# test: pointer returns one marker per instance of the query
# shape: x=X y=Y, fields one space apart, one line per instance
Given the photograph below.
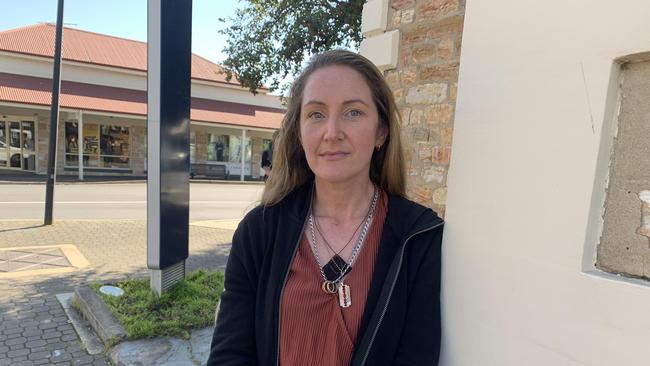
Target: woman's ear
x=382 y=135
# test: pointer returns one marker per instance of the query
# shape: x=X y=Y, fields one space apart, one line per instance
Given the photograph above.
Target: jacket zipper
x=284 y=282
x=392 y=287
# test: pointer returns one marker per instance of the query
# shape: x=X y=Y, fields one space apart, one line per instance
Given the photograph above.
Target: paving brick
x=47 y=326
x=69 y=337
x=37 y=343
x=17 y=346
x=51 y=335
x=32 y=333
x=12 y=331
x=60 y=358
x=23 y=363
x=18 y=353
x=83 y=360
x=30 y=307
x=39 y=355
x=13 y=341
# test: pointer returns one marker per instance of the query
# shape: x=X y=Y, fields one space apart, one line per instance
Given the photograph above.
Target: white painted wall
x=129 y=79
x=536 y=108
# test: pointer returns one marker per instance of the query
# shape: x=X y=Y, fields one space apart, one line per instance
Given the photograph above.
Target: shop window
x=235 y=150
x=266 y=144
x=104 y=146
x=218 y=147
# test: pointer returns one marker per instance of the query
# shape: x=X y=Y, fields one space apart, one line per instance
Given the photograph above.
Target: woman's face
x=339 y=125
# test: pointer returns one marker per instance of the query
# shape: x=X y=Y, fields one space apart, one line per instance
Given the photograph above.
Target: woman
x=335 y=267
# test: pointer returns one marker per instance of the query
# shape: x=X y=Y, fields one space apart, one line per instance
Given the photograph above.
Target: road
x=208 y=201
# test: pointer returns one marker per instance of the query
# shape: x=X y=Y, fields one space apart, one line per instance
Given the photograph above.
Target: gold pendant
x=344 y=295
x=329 y=287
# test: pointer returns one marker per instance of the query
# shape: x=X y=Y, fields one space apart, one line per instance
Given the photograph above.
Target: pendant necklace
x=329 y=246
x=338 y=286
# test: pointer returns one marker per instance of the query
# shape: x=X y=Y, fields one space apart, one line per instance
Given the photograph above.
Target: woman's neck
x=342 y=201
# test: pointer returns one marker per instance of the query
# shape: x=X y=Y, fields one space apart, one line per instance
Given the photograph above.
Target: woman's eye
x=355 y=113
x=315 y=115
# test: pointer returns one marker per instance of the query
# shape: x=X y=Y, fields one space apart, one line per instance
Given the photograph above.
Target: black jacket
x=401 y=320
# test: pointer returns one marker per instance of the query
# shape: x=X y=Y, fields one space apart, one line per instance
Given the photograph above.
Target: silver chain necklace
x=332 y=287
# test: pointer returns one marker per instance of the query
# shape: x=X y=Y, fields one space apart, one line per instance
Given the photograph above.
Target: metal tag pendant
x=344 y=295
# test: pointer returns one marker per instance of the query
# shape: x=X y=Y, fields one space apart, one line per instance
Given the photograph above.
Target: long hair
x=290 y=168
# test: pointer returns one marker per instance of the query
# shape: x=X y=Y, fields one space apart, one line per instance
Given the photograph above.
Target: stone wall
x=424 y=84
x=625 y=243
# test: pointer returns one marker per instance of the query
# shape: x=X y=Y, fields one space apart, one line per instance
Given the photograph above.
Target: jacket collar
x=404 y=217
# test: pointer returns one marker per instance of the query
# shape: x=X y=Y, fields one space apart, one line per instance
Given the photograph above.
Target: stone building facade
x=424 y=80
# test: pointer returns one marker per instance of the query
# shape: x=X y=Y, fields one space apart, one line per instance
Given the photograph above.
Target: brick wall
x=138 y=148
x=424 y=84
x=201 y=152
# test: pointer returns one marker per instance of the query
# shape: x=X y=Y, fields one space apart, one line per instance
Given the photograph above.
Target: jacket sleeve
x=233 y=340
x=420 y=338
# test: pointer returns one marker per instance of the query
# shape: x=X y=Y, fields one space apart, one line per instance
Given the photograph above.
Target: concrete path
x=34 y=329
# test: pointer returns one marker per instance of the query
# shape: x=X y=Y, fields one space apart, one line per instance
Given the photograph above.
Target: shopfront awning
x=89 y=97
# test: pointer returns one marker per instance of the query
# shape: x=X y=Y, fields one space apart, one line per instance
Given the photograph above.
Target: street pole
x=169 y=44
x=54 y=117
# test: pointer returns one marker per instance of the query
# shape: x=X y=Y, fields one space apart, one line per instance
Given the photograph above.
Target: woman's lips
x=337 y=155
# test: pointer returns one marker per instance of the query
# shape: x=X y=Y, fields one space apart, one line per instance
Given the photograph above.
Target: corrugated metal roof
x=38 y=91
x=95 y=48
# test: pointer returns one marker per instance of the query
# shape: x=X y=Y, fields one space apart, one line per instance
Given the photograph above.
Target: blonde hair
x=290 y=169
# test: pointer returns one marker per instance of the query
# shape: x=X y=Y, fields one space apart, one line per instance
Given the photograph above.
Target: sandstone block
x=445 y=49
x=392 y=78
x=416 y=117
x=423 y=54
x=437 y=72
x=405 y=114
x=408 y=76
x=434 y=174
x=446 y=135
x=453 y=92
x=407 y=16
x=402 y=4
x=434 y=9
x=424 y=151
x=439 y=113
x=439 y=196
x=427 y=93
x=398 y=94
x=440 y=155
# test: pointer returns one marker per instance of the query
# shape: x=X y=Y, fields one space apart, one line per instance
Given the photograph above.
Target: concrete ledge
x=100 y=317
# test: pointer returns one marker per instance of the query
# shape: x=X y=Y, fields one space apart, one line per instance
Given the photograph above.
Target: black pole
x=54 y=117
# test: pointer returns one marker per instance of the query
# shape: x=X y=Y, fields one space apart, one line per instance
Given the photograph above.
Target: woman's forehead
x=336 y=84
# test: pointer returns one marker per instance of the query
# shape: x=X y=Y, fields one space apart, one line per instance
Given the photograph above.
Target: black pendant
x=334 y=267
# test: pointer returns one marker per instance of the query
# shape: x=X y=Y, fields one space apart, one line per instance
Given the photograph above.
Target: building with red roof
x=103 y=107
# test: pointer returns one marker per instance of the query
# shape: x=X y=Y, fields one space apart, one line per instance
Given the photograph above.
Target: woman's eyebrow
x=350 y=101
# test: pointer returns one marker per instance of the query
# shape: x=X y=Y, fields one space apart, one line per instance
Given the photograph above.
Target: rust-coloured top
x=314 y=329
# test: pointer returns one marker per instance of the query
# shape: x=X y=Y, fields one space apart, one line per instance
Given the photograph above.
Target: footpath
x=37 y=263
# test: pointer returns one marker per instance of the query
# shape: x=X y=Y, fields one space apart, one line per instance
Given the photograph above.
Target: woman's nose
x=333 y=129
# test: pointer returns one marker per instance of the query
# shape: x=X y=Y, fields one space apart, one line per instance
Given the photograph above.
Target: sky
x=122 y=18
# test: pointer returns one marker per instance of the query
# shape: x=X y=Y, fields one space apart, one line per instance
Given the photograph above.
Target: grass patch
x=190 y=304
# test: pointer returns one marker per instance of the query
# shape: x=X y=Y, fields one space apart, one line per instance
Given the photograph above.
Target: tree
x=268 y=40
